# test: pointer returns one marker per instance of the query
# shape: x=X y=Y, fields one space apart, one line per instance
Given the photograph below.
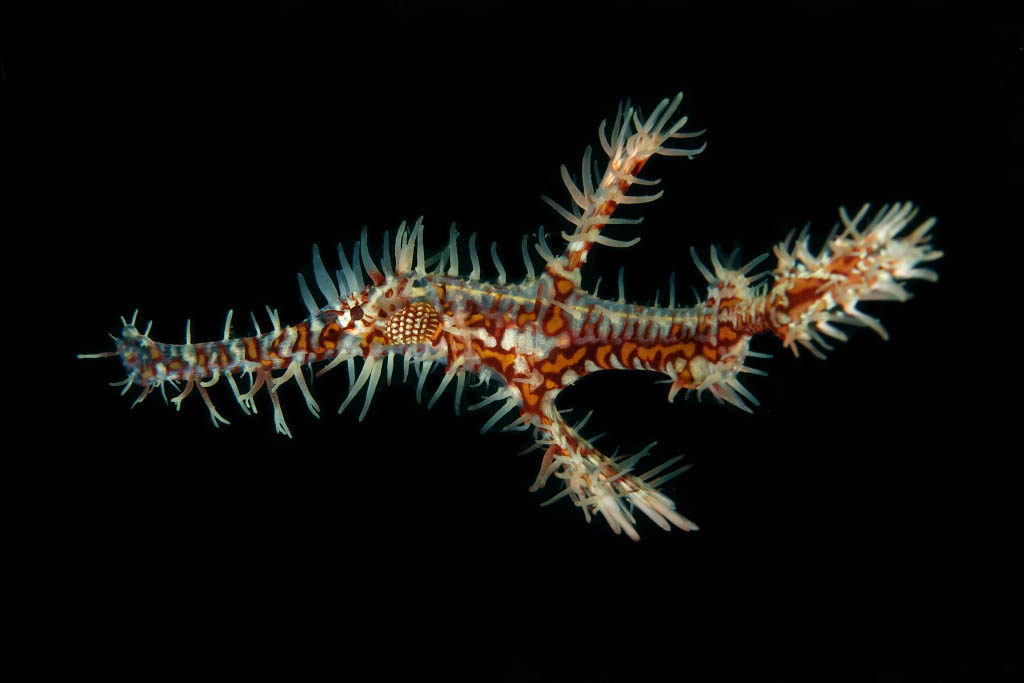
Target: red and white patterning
x=538 y=336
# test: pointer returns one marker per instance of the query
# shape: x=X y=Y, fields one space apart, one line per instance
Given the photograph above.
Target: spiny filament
x=528 y=341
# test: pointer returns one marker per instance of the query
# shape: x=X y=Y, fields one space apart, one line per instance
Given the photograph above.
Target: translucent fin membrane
x=628 y=149
x=538 y=336
x=852 y=266
x=599 y=484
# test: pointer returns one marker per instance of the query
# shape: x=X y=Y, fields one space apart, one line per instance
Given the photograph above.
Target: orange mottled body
x=536 y=337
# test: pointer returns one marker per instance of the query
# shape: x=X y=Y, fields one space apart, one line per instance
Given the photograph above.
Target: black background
x=857 y=526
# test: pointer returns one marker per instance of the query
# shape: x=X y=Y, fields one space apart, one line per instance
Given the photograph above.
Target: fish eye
x=357 y=312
